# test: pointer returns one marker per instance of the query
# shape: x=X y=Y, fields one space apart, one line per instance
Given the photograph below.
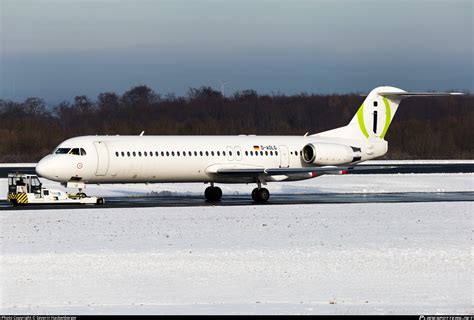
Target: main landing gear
x=259 y=194
x=213 y=193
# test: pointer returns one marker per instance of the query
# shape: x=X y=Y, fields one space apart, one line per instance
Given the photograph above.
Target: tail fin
x=376 y=113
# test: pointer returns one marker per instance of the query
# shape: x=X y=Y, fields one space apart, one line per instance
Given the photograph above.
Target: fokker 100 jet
x=228 y=159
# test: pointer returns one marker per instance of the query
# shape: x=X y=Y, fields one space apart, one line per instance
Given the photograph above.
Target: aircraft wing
x=250 y=172
x=242 y=171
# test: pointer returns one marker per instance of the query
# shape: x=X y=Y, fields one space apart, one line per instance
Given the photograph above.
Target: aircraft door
x=284 y=157
x=102 y=158
x=230 y=156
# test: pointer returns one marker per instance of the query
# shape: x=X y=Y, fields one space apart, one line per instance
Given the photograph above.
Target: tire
x=263 y=195
x=254 y=194
x=207 y=193
x=213 y=193
x=217 y=194
x=100 y=201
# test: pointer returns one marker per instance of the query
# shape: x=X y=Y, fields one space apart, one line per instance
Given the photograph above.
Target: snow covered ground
x=330 y=258
x=380 y=258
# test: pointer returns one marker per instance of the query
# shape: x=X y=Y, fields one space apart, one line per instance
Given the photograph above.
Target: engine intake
x=329 y=154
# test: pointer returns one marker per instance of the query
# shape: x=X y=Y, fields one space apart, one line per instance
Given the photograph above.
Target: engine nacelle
x=329 y=154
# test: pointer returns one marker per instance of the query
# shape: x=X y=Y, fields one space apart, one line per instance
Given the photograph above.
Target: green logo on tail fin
x=360 y=118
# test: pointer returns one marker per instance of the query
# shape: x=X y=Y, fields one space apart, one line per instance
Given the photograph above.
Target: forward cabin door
x=284 y=157
x=102 y=158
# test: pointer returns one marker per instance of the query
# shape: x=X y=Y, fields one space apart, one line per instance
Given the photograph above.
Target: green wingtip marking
x=360 y=119
x=388 y=117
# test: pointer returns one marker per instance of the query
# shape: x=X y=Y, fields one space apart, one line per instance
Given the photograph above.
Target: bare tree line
x=424 y=128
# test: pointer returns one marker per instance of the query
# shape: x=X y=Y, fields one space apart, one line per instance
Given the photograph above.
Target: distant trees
x=423 y=127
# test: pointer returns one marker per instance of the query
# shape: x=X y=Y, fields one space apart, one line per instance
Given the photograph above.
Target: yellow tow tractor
x=25 y=189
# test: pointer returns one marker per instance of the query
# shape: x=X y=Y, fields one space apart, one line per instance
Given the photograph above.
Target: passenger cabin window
x=62 y=150
x=375 y=103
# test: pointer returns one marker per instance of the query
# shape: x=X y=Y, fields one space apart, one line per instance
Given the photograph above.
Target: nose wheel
x=213 y=193
x=260 y=195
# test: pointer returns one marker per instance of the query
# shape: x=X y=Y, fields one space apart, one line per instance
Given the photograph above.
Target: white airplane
x=228 y=159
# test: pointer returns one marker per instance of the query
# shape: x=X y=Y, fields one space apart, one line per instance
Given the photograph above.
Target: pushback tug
x=24 y=189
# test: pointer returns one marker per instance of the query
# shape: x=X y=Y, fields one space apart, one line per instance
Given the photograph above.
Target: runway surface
x=245 y=200
x=457 y=167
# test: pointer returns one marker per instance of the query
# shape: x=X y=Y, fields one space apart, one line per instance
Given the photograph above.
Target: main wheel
x=263 y=195
x=254 y=194
x=260 y=195
x=207 y=193
x=213 y=193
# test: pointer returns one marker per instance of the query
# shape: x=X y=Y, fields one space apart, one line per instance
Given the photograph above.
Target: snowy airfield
x=375 y=258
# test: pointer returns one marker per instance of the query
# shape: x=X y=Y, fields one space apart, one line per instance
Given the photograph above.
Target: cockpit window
x=83 y=152
x=75 y=151
x=62 y=150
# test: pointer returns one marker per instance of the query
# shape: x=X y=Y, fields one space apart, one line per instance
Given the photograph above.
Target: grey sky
x=56 y=49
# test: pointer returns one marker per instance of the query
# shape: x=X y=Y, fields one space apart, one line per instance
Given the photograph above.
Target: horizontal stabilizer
x=418 y=94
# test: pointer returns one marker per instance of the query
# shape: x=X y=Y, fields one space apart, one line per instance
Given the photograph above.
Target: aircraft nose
x=46 y=168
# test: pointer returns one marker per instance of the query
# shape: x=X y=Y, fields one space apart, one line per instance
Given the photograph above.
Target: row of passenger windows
x=191 y=153
x=196 y=153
